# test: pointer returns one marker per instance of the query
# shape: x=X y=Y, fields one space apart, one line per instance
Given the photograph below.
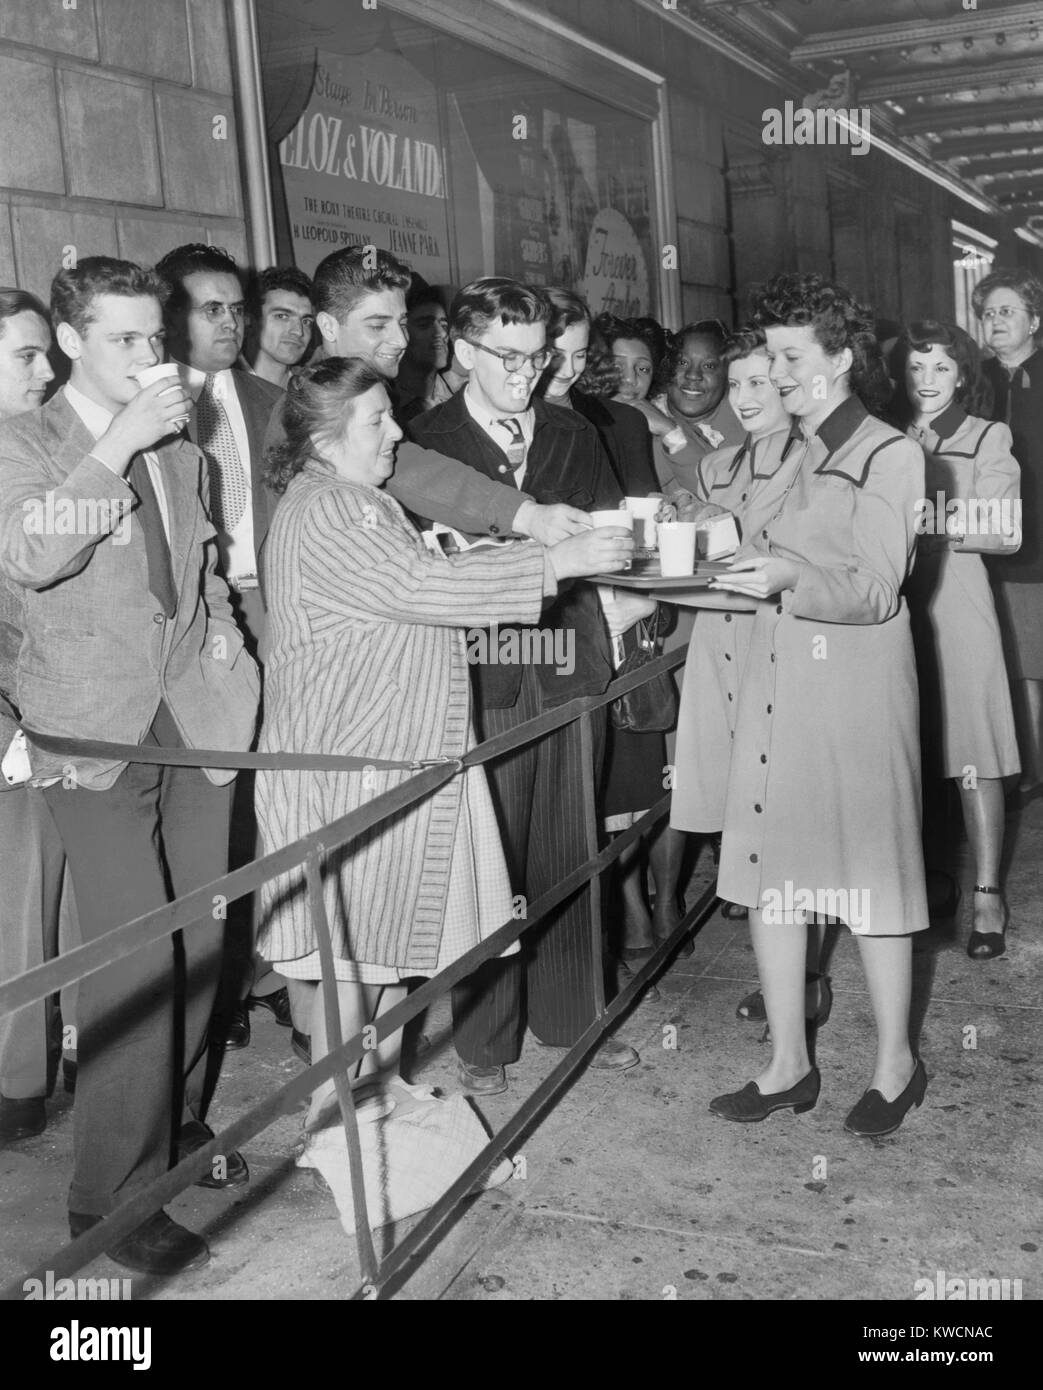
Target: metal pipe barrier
x=183 y=913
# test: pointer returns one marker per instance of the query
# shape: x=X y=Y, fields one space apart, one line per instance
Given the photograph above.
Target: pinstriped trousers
x=538 y=794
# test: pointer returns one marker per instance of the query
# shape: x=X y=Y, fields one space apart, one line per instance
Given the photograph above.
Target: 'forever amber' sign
x=615 y=280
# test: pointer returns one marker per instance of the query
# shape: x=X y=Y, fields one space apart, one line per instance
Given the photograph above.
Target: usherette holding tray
x=691 y=560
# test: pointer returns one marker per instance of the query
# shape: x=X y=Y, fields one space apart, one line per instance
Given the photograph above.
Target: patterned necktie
x=157 y=549
x=229 y=493
x=516 y=448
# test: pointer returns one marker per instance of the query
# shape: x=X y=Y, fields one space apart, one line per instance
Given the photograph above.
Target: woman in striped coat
x=367 y=657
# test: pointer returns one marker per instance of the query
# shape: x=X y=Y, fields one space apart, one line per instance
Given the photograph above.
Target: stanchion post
x=368 y=1262
x=593 y=889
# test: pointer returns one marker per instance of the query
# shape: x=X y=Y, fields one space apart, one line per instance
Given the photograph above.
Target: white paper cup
x=161 y=372
x=616 y=518
x=676 y=548
x=643 y=510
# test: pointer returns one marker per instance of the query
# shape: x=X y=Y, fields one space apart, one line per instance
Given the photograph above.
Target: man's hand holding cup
x=160 y=408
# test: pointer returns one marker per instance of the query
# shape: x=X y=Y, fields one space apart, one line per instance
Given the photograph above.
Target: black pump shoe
x=873 y=1117
x=749 y=1105
x=22 y=1119
x=751 y=1006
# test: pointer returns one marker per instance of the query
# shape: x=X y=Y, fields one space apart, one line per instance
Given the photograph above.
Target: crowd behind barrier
x=332 y=518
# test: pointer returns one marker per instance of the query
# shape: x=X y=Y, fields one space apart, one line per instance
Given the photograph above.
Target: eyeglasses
x=1005 y=311
x=514 y=361
x=215 y=311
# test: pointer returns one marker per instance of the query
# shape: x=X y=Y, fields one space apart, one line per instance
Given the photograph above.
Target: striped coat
x=366 y=656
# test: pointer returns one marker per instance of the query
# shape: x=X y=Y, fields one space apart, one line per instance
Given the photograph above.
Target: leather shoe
x=625 y=972
x=194 y=1134
x=22 y=1119
x=237 y=1026
x=158 y=1246
x=611 y=1055
x=482 y=1081
x=873 y=1117
x=750 y=1105
x=300 y=1045
x=277 y=1004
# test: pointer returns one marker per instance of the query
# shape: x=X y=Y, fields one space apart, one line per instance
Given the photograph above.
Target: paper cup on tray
x=643 y=510
x=676 y=548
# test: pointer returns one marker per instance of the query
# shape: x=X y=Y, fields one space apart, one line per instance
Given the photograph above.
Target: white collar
x=481 y=416
x=195 y=379
x=94 y=416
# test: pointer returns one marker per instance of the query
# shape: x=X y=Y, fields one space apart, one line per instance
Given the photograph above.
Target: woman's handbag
x=650 y=708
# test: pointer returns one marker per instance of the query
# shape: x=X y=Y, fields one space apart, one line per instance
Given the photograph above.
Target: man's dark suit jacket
x=566 y=463
x=1020 y=404
x=627 y=439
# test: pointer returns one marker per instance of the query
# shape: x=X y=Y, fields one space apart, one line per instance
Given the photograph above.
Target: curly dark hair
x=974 y=391
x=316 y=404
x=74 y=291
x=838 y=320
x=713 y=330
x=344 y=278
x=276 y=277
x=177 y=265
x=601 y=375
x=744 y=342
x=643 y=330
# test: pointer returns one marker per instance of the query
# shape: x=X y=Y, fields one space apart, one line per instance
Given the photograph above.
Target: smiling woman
x=828 y=700
x=964 y=688
x=366 y=655
x=693 y=380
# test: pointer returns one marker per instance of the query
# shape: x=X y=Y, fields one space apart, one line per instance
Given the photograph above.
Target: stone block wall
x=117 y=132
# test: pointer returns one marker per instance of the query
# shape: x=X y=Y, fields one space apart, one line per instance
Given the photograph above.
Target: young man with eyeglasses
x=500 y=430
x=359 y=295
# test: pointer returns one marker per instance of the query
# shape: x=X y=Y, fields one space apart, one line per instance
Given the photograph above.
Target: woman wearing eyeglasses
x=693 y=380
x=1009 y=304
x=822 y=814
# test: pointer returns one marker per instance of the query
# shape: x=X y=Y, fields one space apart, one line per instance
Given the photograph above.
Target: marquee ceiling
x=959 y=88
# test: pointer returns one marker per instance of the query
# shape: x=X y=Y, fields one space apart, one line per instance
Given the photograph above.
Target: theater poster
x=365 y=165
x=569 y=203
